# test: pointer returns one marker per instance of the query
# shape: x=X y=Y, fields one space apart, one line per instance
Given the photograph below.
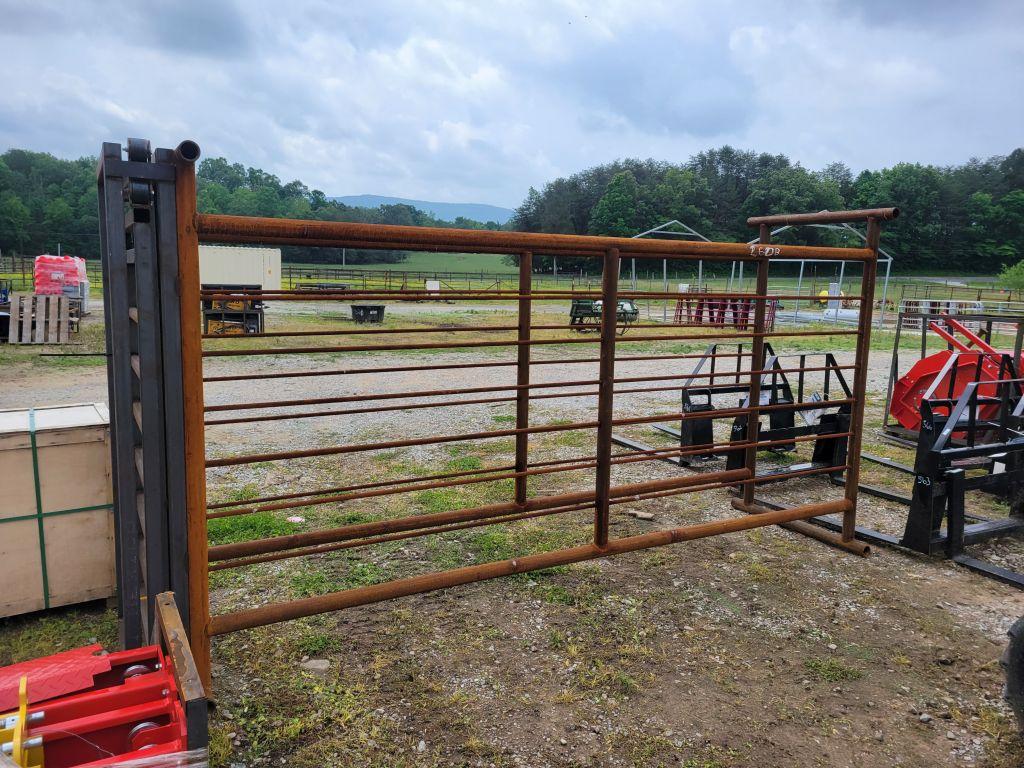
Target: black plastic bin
x=368 y=313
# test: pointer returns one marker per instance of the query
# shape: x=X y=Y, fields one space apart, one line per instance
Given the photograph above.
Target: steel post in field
x=523 y=377
x=605 y=393
x=756 y=362
x=799 y=284
x=192 y=387
x=860 y=375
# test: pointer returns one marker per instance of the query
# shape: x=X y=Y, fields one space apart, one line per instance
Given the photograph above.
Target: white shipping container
x=240 y=265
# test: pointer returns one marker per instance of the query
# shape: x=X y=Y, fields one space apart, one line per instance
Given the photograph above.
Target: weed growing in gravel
x=832 y=670
x=318 y=644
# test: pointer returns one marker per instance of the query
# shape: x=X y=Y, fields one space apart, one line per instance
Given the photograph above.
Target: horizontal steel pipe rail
x=226 y=551
x=511 y=343
x=855 y=546
x=689 y=377
x=310 y=606
x=320 y=549
x=228 y=461
x=490 y=475
x=213 y=228
x=453 y=366
x=708 y=388
x=458 y=329
x=824 y=217
x=467 y=295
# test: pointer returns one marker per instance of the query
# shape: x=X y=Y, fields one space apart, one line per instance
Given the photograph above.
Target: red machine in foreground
x=944 y=375
x=81 y=708
x=86 y=707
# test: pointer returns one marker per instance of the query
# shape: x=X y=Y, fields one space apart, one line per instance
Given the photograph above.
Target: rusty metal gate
x=523 y=351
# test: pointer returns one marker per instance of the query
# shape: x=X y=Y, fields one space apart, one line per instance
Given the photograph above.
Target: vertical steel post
x=799 y=283
x=605 y=394
x=756 y=361
x=664 y=281
x=839 y=290
x=885 y=293
x=523 y=375
x=192 y=387
x=860 y=377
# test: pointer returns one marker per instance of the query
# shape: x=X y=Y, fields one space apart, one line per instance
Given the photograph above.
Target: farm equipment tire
x=1013 y=667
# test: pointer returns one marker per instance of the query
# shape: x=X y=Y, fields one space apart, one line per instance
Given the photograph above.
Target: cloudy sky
x=466 y=101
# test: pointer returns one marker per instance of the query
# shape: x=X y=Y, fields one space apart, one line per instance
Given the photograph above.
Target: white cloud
x=469 y=101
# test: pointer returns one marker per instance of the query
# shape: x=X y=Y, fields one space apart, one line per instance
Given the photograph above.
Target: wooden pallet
x=37 y=319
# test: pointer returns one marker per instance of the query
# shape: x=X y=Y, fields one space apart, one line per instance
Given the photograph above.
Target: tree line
x=47 y=202
x=965 y=218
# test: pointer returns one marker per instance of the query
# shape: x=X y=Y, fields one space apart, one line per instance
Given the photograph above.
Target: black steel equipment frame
x=143 y=334
x=698 y=391
x=980 y=432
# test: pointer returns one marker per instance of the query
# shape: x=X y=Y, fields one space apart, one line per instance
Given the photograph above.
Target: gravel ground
x=762 y=648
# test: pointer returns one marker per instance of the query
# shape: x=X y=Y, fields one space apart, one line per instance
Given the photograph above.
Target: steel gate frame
x=159 y=417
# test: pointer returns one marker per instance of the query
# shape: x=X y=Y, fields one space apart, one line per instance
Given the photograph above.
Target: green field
x=442 y=262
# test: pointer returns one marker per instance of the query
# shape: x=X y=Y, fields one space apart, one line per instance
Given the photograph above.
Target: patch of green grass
x=261 y=525
x=347 y=517
x=598 y=674
x=574 y=438
x=492 y=545
x=445 y=553
x=499 y=490
x=464 y=464
x=362 y=574
x=40 y=634
x=503 y=418
x=317 y=580
x=440 y=499
x=220 y=745
x=247 y=492
x=308 y=583
x=319 y=643
x=556 y=594
x=832 y=670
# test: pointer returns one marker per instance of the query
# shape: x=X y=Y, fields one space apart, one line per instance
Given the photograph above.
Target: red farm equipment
x=942 y=377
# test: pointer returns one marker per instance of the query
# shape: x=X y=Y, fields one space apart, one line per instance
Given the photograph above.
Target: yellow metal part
x=226 y=328
x=16 y=733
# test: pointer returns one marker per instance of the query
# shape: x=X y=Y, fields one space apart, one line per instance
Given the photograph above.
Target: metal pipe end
x=188 y=151
x=895 y=213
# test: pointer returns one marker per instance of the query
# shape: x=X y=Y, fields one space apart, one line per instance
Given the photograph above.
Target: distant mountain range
x=447 y=211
